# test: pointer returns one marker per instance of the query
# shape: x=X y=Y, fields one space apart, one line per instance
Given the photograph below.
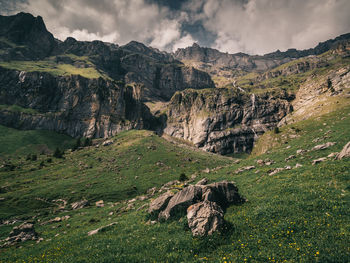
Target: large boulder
x=223 y=193
x=205 y=218
x=160 y=203
x=181 y=201
x=345 y=152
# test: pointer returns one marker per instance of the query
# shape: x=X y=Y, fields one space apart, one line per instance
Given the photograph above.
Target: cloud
x=261 y=26
x=119 y=21
x=250 y=26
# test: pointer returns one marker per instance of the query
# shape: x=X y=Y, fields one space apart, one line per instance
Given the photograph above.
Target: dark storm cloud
x=251 y=26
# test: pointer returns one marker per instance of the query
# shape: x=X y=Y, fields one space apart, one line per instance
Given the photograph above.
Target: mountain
x=219 y=102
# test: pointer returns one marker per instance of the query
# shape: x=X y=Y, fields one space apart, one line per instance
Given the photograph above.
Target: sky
x=249 y=26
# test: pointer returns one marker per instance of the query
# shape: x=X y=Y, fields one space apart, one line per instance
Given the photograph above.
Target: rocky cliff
x=71 y=104
x=224 y=120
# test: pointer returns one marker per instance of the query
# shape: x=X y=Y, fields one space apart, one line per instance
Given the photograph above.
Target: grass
x=298 y=215
x=57 y=69
x=16 y=108
x=15 y=143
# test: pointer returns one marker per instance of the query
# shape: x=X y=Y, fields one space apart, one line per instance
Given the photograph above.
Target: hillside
x=295 y=214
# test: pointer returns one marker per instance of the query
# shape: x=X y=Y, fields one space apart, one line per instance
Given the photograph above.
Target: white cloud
x=251 y=26
x=119 y=21
x=183 y=42
x=261 y=26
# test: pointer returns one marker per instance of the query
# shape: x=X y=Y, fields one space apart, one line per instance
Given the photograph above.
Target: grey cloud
x=251 y=26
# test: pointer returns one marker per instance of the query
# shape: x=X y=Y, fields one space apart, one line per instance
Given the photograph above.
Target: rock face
x=27 y=37
x=205 y=218
x=205 y=205
x=160 y=78
x=224 y=120
x=213 y=59
x=71 y=104
x=345 y=152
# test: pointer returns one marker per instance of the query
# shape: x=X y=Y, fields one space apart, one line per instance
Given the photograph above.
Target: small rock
x=298 y=165
x=287 y=167
x=152 y=191
x=203 y=181
x=110 y=213
x=107 y=143
x=93 y=232
x=301 y=151
x=100 y=203
x=290 y=157
x=275 y=171
x=319 y=160
x=323 y=146
x=345 y=152
x=80 y=204
x=142 y=198
x=260 y=162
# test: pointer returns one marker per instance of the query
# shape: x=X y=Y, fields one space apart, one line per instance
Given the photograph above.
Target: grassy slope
x=18 y=143
x=298 y=215
x=57 y=69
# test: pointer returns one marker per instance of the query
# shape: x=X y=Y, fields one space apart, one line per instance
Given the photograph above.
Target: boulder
x=323 y=146
x=181 y=201
x=160 y=203
x=345 y=152
x=80 y=204
x=205 y=218
x=223 y=193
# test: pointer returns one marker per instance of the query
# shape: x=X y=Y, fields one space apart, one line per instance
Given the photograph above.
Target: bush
x=87 y=142
x=34 y=157
x=58 y=153
x=183 y=177
x=77 y=144
x=276 y=130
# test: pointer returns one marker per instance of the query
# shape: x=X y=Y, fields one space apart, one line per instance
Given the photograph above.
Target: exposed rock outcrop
x=205 y=205
x=224 y=120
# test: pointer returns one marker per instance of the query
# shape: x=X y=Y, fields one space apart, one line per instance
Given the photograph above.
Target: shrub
x=34 y=157
x=58 y=153
x=276 y=130
x=77 y=144
x=183 y=177
x=87 y=142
